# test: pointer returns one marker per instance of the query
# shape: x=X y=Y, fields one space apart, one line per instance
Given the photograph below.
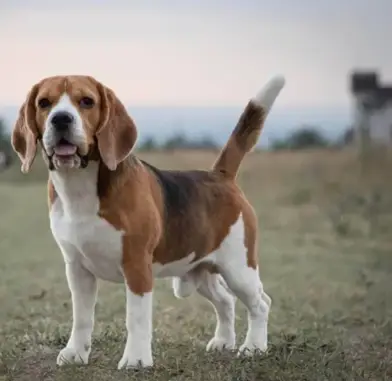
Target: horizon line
x=197 y=106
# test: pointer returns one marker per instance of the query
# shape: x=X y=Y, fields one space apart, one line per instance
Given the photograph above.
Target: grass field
x=325 y=259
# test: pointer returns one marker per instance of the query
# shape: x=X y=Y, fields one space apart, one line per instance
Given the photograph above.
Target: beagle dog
x=117 y=218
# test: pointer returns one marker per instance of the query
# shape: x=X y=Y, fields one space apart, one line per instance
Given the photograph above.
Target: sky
x=196 y=53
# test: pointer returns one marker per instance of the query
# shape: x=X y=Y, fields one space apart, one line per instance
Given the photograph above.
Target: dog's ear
x=24 y=135
x=117 y=134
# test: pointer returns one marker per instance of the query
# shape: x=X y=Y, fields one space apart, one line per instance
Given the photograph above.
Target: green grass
x=325 y=259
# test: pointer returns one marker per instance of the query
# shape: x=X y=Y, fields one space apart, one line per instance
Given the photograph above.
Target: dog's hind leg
x=213 y=287
x=246 y=285
x=237 y=262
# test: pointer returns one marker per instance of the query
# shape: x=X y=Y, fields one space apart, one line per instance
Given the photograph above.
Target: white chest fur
x=78 y=230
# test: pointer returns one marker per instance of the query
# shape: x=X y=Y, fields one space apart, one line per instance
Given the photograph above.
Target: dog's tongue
x=65 y=150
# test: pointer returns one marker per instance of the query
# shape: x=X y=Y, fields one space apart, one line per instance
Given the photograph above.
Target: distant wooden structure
x=372 y=110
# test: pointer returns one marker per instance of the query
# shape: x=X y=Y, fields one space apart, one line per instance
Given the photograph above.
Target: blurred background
x=186 y=69
x=320 y=178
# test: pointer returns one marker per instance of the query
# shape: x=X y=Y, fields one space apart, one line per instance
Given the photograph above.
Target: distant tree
x=178 y=140
x=148 y=144
x=303 y=138
x=206 y=142
x=5 y=145
x=4 y=136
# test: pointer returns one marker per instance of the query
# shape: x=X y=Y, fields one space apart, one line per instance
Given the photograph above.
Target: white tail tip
x=265 y=98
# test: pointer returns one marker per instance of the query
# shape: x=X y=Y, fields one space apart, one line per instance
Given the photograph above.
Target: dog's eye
x=86 y=102
x=44 y=103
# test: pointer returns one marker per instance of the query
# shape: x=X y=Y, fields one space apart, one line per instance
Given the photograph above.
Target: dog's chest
x=79 y=231
x=91 y=240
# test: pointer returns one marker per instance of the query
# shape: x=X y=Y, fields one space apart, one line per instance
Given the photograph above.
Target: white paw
x=130 y=360
x=252 y=348
x=220 y=343
x=69 y=356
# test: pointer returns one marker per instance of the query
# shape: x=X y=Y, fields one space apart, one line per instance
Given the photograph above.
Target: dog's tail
x=245 y=135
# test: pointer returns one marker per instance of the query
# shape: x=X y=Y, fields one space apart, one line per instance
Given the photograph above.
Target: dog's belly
x=182 y=266
x=91 y=240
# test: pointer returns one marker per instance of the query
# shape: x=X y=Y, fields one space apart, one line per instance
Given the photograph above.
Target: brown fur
x=127 y=202
x=25 y=134
x=165 y=215
x=135 y=202
x=243 y=138
x=205 y=220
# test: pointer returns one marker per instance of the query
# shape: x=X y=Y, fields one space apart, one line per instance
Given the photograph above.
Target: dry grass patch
x=325 y=260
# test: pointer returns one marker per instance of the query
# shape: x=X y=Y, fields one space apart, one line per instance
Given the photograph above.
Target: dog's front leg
x=83 y=287
x=139 y=282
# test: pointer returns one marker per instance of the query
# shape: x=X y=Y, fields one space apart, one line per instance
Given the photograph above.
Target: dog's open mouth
x=64 y=149
x=65 y=155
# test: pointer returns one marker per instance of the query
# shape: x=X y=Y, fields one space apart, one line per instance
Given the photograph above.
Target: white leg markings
x=83 y=286
x=137 y=350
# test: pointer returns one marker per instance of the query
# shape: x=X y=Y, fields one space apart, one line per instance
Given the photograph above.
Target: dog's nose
x=62 y=120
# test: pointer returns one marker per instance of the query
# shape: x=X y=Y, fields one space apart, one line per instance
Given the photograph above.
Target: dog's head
x=73 y=115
